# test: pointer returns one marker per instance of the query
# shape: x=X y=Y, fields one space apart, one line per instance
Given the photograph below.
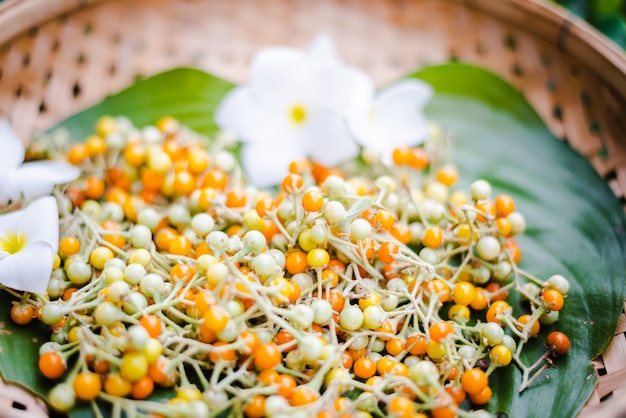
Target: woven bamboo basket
x=59 y=57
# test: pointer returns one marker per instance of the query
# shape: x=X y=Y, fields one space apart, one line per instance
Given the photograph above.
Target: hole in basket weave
x=26 y=60
x=42 y=108
x=48 y=76
x=545 y=60
x=603 y=153
x=551 y=85
x=510 y=42
x=610 y=175
x=18 y=405
x=594 y=126
x=76 y=90
x=606 y=397
x=55 y=45
x=18 y=91
x=584 y=98
x=81 y=59
x=517 y=70
x=557 y=112
x=112 y=69
x=88 y=28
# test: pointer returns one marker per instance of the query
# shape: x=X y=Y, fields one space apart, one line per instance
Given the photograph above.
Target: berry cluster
x=337 y=295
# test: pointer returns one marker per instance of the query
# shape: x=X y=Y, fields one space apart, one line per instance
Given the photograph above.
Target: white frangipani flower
x=29 y=239
x=292 y=107
x=391 y=119
x=31 y=179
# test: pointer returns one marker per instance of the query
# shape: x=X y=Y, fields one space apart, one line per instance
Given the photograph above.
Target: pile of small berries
x=337 y=294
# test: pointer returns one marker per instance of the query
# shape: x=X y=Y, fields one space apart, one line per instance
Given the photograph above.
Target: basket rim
x=570 y=33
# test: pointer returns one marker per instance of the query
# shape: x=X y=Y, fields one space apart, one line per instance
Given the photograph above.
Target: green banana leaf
x=575 y=223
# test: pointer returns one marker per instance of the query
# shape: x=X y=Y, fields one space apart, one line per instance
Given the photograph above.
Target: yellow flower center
x=12 y=242
x=297 y=114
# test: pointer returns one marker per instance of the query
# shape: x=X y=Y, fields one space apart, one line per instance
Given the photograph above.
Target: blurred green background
x=609 y=16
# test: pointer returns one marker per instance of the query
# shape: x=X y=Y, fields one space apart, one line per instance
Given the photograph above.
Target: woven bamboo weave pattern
x=57 y=58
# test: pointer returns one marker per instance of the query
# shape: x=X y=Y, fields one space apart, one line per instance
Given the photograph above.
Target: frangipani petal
x=395 y=118
x=279 y=76
x=267 y=164
x=331 y=141
x=29 y=269
x=405 y=94
x=38 y=178
x=11 y=146
x=399 y=111
x=8 y=224
x=362 y=90
x=8 y=191
x=323 y=52
x=39 y=222
x=343 y=88
x=242 y=116
x=58 y=172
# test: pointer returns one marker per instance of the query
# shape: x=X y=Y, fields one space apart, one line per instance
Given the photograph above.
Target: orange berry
x=184 y=183
x=312 y=201
x=292 y=183
x=524 y=320
x=135 y=154
x=303 y=395
x=52 y=365
x=95 y=187
x=77 y=153
x=95 y=145
x=401 y=156
x=474 y=381
x=197 y=160
x=264 y=206
x=447 y=175
x=87 y=386
x=152 y=180
x=182 y=272
x=180 y=245
x=440 y=330
x=504 y=205
x=384 y=219
x=416 y=344
x=142 y=388
x=255 y=407
x=236 y=198
x=296 y=262
x=433 y=237
x=401 y=232
x=418 y=159
x=267 y=356
x=69 y=246
x=299 y=166
x=216 y=318
x=387 y=251
x=152 y=324
x=553 y=299
x=215 y=179
x=22 y=314
x=364 y=367
x=482 y=397
x=117 y=240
